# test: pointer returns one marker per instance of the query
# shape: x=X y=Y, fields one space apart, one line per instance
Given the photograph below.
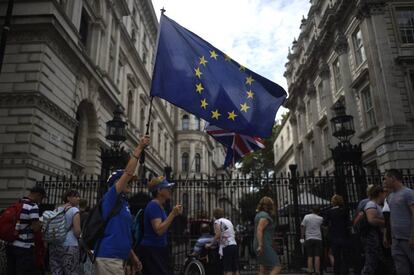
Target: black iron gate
x=294 y=195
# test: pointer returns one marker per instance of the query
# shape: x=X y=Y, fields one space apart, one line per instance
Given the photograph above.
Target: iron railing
x=294 y=196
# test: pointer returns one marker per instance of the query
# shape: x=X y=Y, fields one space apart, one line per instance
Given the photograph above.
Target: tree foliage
x=261 y=162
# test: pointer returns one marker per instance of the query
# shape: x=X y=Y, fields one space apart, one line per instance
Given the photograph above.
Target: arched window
x=130 y=104
x=198 y=124
x=198 y=163
x=186 y=122
x=184 y=162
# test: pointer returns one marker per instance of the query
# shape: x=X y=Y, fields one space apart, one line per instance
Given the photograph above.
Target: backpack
x=54 y=226
x=93 y=229
x=8 y=220
x=138 y=228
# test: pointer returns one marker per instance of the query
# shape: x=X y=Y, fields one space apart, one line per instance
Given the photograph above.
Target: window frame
x=397 y=25
x=359 y=50
x=369 y=115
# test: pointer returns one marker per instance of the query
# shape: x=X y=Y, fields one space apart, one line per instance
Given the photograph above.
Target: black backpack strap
x=114 y=211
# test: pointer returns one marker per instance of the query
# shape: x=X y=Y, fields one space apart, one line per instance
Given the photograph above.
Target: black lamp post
x=115 y=128
x=347 y=157
x=115 y=157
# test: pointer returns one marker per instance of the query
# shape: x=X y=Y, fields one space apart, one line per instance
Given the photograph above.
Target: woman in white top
x=64 y=257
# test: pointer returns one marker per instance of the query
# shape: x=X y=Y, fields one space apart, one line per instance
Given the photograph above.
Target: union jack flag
x=237 y=145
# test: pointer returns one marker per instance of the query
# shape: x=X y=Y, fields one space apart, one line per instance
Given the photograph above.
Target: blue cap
x=114 y=177
x=162 y=184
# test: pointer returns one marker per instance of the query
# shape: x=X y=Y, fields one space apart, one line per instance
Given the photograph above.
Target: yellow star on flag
x=204 y=103
x=227 y=58
x=249 y=80
x=213 y=54
x=250 y=94
x=215 y=114
x=242 y=68
x=244 y=107
x=198 y=73
x=199 y=88
x=232 y=115
x=203 y=61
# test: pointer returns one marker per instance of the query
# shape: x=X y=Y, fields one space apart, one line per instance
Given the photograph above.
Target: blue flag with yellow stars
x=192 y=74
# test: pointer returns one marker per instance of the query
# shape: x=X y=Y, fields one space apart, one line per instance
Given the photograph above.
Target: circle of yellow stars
x=215 y=114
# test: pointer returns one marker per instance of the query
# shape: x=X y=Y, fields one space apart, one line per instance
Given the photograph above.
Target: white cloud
x=256 y=33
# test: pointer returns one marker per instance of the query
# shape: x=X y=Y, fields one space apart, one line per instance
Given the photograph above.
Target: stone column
x=192 y=157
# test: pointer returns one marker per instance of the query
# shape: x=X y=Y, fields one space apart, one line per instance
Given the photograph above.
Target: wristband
x=137 y=158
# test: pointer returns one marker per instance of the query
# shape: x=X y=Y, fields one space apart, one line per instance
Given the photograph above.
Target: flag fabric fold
x=237 y=145
x=194 y=75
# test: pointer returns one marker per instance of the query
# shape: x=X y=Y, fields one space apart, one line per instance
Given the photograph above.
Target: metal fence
x=294 y=195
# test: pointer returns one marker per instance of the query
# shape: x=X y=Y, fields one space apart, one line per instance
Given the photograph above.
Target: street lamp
x=350 y=179
x=114 y=157
x=115 y=128
x=342 y=124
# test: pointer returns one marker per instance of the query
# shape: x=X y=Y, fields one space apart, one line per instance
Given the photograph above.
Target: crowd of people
x=384 y=223
x=381 y=232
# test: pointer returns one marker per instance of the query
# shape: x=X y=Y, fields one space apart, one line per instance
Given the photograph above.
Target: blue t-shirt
x=399 y=203
x=117 y=240
x=153 y=211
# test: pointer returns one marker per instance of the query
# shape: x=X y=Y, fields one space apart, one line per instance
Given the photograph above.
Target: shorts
x=230 y=258
x=313 y=248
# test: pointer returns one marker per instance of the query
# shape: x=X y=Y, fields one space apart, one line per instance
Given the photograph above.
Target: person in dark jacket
x=338 y=223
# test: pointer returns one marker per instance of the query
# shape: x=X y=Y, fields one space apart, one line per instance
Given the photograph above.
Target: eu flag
x=192 y=74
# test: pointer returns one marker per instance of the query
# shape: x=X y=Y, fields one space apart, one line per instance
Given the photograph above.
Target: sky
x=255 y=33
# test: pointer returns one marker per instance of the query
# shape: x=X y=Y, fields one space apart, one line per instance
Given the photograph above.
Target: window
x=325 y=140
x=358 y=47
x=159 y=140
x=165 y=147
x=84 y=28
x=198 y=163
x=337 y=74
x=111 y=70
x=368 y=108
x=282 y=142
x=309 y=112
x=142 y=122
x=198 y=123
x=185 y=122
x=312 y=154
x=130 y=104
x=184 y=162
x=288 y=133
x=321 y=96
x=405 y=22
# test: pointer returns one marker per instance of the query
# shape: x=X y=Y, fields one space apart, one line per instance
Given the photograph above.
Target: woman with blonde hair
x=153 y=249
x=263 y=235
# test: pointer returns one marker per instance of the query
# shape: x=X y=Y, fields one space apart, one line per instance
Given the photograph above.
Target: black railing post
x=294 y=182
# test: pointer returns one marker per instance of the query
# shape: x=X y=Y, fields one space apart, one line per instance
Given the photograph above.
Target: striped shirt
x=29 y=214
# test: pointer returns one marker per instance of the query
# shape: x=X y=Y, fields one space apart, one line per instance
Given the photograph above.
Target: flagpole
x=142 y=157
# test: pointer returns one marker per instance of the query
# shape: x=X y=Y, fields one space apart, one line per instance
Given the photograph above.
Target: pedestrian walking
x=21 y=259
x=64 y=257
x=372 y=237
x=153 y=249
x=338 y=223
x=312 y=239
x=267 y=257
x=116 y=245
x=401 y=204
x=225 y=236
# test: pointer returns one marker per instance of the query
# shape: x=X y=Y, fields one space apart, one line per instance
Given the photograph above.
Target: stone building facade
x=68 y=64
x=361 y=53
